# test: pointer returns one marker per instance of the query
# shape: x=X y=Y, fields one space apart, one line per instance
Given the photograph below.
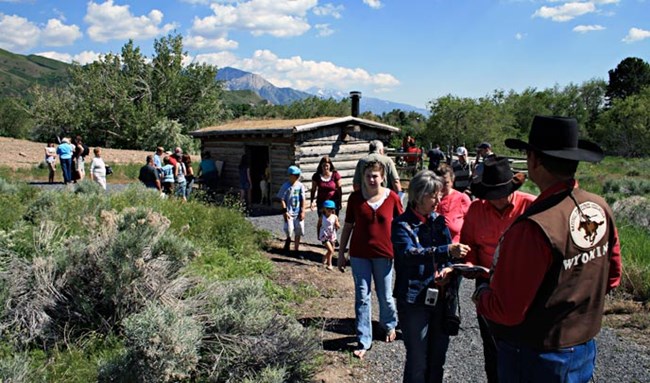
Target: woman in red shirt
x=368 y=219
x=326 y=184
x=453 y=204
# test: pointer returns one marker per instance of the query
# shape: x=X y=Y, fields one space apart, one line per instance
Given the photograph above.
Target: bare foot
x=391 y=335
x=359 y=353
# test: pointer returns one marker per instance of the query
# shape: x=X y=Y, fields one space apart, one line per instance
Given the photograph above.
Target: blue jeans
x=66 y=168
x=518 y=363
x=426 y=344
x=363 y=271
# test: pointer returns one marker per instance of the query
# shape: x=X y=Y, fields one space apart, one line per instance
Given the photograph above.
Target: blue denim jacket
x=419 y=249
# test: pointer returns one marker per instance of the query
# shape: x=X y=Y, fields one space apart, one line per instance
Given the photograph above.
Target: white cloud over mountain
x=116 y=22
x=82 y=58
x=302 y=74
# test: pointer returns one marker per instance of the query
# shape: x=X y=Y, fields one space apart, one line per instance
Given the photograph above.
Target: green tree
x=624 y=129
x=628 y=78
x=14 y=119
x=117 y=100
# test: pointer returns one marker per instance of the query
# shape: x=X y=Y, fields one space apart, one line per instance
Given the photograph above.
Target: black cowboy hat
x=497 y=180
x=558 y=137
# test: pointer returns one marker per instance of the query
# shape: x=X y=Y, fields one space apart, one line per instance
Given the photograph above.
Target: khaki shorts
x=294 y=226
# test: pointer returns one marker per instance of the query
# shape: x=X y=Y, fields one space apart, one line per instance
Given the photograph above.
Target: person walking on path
x=423 y=253
x=553 y=266
x=497 y=205
x=328 y=224
x=292 y=197
x=368 y=218
x=390 y=176
x=325 y=185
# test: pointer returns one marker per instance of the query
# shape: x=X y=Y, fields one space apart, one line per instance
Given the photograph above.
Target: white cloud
x=82 y=58
x=375 y=4
x=200 y=42
x=57 y=34
x=116 y=22
x=588 y=28
x=275 y=18
x=565 y=12
x=520 y=36
x=605 y=1
x=302 y=74
x=20 y=34
x=636 y=34
x=324 y=30
x=329 y=10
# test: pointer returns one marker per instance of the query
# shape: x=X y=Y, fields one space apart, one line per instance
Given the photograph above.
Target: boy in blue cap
x=328 y=224
x=292 y=197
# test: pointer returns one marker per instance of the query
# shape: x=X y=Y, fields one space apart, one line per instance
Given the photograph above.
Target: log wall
x=303 y=149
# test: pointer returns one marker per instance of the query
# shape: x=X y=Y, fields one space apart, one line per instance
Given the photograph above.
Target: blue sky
x=409 y=51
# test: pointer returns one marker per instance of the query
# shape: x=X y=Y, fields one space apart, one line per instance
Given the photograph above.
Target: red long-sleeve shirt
x=524 y=258
x=484 y=224
x=453 y=207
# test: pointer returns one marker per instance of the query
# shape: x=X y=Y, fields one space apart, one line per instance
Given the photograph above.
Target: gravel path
x=619 y=359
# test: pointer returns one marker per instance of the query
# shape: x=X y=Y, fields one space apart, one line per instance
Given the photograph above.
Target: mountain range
x=236 y=79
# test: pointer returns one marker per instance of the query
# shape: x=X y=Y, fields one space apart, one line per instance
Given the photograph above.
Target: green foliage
x=245 y=336
x=162 y=345
x=14 y=119
x=628 y=78
x=635 y=247
x=122 y=100
x=624 y=129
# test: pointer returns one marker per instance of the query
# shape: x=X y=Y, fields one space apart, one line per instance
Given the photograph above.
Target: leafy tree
x=14 y=120
x=624 y=129
x=117 y=100
x=628 y=78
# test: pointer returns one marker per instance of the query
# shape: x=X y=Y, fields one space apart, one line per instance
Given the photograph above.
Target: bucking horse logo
x=590 y=228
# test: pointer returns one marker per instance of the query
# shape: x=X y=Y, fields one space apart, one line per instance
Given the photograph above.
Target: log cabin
x=277 y=144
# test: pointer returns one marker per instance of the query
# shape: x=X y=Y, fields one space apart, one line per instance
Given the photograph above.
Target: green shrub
x=627 y=186
x=88 y=186
x=245 y=335
x=16 y=369
x=162 y=345
x=7 y=187
x=635 y=210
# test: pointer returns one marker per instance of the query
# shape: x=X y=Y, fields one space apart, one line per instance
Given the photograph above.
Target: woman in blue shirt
x=64 y=151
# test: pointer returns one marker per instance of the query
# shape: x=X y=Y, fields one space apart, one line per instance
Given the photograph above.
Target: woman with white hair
x=65 y=151
x=426 y=289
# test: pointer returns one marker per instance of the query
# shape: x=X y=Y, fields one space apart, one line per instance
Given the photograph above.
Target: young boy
x=292 y=197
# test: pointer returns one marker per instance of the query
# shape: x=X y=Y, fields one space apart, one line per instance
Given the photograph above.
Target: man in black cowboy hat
x=553 y=266
x=497 y=205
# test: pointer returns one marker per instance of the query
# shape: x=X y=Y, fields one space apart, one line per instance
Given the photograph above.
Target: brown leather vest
x=568 y=307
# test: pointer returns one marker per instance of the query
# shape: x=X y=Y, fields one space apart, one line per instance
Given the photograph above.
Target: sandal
x=391 y=335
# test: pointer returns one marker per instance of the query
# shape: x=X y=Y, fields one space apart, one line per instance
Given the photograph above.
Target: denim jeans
x=364 y=271
x=518 y=363
x=426 y=344
x=66 y=168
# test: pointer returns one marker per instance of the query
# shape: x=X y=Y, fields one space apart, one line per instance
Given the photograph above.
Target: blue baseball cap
x=294 y=170
x=329 y=204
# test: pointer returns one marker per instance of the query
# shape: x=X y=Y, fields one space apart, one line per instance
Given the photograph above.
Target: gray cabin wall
x=311 y=146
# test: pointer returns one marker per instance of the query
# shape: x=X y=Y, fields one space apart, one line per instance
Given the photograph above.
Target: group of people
x=72 y=157
x=169 y=173
x=551 y=258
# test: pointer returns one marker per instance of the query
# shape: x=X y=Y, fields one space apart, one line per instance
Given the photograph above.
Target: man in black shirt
x=149 y=175
x=436 y=156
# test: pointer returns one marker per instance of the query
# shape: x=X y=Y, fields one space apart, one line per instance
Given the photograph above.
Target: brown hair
x=187 y=160
x=374 y=166
x=443 y=170
x=324 y=160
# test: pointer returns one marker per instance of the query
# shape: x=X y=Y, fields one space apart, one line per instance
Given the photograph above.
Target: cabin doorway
x=259 y=162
